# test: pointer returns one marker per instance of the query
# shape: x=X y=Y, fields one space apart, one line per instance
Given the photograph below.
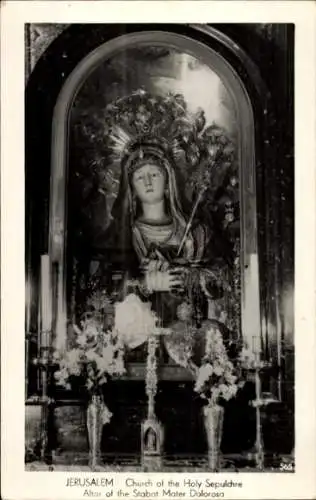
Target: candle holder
x=27 y=355
x=44 y=364
x=44 y=360
x=152 y=432
x=256 y=366
x=259 y=455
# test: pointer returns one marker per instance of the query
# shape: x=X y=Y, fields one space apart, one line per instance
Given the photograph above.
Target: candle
x=256 y=346
x=250 y=303
x=46 y=300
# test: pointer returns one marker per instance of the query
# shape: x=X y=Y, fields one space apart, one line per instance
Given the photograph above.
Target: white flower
x=108 y=353
x=230 y=378
x=134 y=321
x=82 y=340
x=73 y=360
x=92 y=356
x=218 y=364
x=89 y=384
x=204 y=373
x=222 y=387
x=233 y=389
x=61 y=376
x=106 y=415
x=206 y=370
x=229 y=365
x=75 y=370
x=198 y=386
x=218 y=370
x=228 y=391
x=105 y=359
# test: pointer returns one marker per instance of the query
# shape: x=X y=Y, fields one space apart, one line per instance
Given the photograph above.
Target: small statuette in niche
x=152 y=437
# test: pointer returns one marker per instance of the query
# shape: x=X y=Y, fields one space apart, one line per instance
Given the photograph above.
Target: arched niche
x=249 y=260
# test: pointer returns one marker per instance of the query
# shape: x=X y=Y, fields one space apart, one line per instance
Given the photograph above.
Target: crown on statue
x=143 y=122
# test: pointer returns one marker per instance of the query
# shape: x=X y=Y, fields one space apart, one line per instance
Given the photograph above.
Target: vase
x=213 y=421
x=95 y=411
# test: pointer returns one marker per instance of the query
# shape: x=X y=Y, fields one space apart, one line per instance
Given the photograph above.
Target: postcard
x=158 y=217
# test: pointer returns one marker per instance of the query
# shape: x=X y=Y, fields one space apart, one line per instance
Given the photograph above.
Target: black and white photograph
x=159 y=247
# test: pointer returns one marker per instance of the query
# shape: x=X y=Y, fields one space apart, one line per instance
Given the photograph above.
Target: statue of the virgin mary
x=160 y=261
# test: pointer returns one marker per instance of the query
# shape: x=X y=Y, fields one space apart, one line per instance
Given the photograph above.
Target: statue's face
x=149 y=183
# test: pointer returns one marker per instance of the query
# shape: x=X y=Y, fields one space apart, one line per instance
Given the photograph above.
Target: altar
x=152 y=341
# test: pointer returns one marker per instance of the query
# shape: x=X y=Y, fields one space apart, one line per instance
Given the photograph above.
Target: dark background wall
x=51 y=54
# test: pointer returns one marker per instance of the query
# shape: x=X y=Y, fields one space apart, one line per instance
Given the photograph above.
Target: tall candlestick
x=259 y=443
x=46 y=301
x=256 y=347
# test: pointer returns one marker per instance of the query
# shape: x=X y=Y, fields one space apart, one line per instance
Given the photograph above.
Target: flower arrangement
x=95 y=355
x=216 y=379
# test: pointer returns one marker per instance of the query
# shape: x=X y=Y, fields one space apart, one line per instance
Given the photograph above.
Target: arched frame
x=250 y=301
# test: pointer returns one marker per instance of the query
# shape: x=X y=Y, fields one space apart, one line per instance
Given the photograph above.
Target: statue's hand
x=153 y=265
x=164 y=280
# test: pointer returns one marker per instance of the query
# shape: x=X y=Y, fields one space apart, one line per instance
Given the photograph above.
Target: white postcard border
x=18 y=484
